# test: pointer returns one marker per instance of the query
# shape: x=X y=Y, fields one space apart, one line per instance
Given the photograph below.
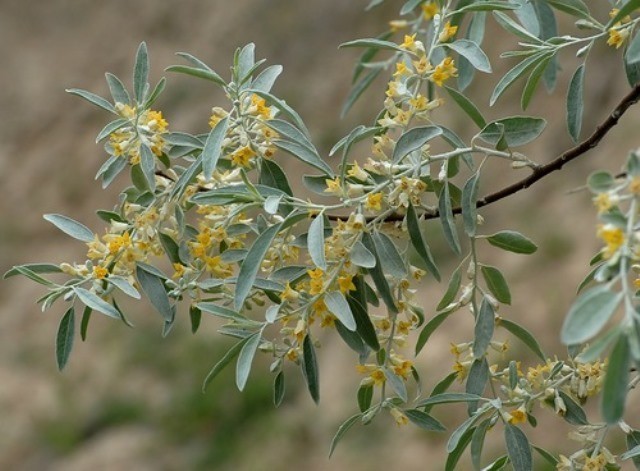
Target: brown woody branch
x=556 y=164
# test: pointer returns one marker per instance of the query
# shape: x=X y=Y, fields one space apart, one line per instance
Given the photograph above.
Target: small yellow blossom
x=613 y=237
x=447 y=32
x=374 y=372
x=216 y=266
x=401 y=69
x=422 y=65
x=345 y=283
x=316 y=283
x=617 y=36
x=100 y=272
x=518 y=416
x=374 y=201
x=409 y=42
x=429 y=10
x=242 y=156
x=444 y=71
x=289 y=294
x=399 y=416
x=634 y=185
x=217 y=114
x=356 y=172
x=261 y=108
x=419 y=102
x=333 y=186
x=178 y=270
x=602 y=202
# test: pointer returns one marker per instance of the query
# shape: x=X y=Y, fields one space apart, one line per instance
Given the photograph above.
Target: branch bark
x=556 y=164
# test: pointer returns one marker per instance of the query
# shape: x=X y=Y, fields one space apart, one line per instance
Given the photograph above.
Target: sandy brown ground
x=130 y=399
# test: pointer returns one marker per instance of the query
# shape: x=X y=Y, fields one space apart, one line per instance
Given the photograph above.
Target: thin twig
x=556 y=164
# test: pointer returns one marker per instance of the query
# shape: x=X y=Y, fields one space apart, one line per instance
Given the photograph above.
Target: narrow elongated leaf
x=477 y=382
x=153 y=287
x=447 y=398
x=70 y=227
x=360 y=256
x=251 y=264
x=477 y=443
x=461 y=444
x=514 y=28
x=429 y=328
x=572 y=7
x=245 y=359
x=424 y=420
x=575 y=415
x=467 y=106
x=397 y=384
x=315 y=242
x=413 y=140
x=358 y=89
x=446 y=219
x=378 y=276
x=532 y=82
x=469 y=200
x=155 y=93
x=373 y=43
x=472 y=52
x=514 y=74
x=148 y=166
x=92 y=98
x=512 y=241
x=96 y=303
x=456 y=437
x=118 y=91
x=596 y=348
x=206 y=74
x=283 y=107
x=140 y=72
x=278 y=389
x=516 y=130
x=271 y=174
x=524 y=335
x=344 y=428
x=419 y=243
x=496 y=283
x=452 y=290
x=310 y=368
x=364 y=326
x=518 y=448
x=304 y=154
x=123 y=285
x=487 y=6
x=213 y=148
x=266 y=79
x=589 y=314
x=224 y=361
x=111 y=127
x=337 y=304
x=575 y=103
x=35 y=268
x=392 y=263
x=627 y=8
x=485 y=323
x=632 y=55
x=64 y=338
x=616 y=382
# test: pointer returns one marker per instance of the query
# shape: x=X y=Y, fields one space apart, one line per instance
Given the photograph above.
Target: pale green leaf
x=472 y=52
x=245 y=359
x=96 y=303
x=485 y=323
x=589 y=314
x=496 y=283
x=575 y=103
x=518 y=448
x=70 y=227
x=140 y=72
x=414 y=139
x=64 y=338
x=337 y=304
x=616 y=382
x=315 y=242
x=213 y=148
x=512 y=241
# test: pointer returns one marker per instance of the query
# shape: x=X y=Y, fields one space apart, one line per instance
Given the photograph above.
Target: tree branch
x=539 y=173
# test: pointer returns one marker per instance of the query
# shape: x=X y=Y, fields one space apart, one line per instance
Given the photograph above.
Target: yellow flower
x=447 y=32
x=242 y=156
x=289 y=294
x=316 y=284
x=333 y=186
x=603 y=203
x=345 y=283
x=356 y=172
x=216 y=266
x=613 y=238
x=444 y=71
x=217 y=114
x=422 y=65
x=409 y=42
x=374 y=201
x=375 y=373
x=420 y=102
x=617 y=36
x=259 y=107
x=429 y=10
x=100 y=272
x=179 y=270
x=401 y=69
x=399 y=416
x=518 y=416
x=117 y=242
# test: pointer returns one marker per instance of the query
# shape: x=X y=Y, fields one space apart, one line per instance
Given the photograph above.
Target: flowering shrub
x=210 y=224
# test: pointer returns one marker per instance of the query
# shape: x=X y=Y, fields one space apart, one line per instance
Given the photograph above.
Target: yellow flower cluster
x=145 y=127
x=618 y=33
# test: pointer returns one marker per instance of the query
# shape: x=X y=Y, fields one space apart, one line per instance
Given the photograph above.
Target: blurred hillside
x=128 y=398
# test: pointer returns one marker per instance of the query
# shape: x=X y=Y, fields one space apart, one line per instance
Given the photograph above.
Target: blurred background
x=129 y=399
